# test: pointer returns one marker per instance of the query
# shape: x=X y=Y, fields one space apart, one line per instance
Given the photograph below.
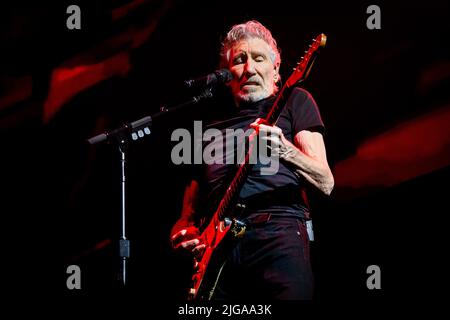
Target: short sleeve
x=304 y=112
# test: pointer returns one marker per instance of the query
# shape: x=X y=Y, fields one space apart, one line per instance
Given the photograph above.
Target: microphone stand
x=121 y=137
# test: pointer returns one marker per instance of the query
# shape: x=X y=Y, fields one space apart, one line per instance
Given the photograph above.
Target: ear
x=276 y=76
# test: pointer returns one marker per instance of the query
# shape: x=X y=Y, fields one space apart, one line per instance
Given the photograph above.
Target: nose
x=250 y=67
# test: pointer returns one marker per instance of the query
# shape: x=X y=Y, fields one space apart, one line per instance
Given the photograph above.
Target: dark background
x=384 y=89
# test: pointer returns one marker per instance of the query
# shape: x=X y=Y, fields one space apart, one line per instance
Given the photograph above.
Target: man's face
x=254 y=74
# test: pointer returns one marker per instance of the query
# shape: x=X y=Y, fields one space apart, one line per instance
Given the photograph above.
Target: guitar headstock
x=305 y=64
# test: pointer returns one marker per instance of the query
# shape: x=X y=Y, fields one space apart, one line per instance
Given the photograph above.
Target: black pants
x=270 y=262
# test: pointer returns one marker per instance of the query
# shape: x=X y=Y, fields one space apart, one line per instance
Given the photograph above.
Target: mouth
x=250 y=83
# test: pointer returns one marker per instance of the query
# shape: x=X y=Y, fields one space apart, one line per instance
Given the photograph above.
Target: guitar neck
x=277 y=107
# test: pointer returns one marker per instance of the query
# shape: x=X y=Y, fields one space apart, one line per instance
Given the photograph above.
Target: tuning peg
x=314 y=40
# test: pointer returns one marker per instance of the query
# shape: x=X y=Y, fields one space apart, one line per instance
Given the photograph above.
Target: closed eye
x=239 y=59
x=259 y=58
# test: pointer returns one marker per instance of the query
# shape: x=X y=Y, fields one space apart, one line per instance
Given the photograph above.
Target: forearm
x=309 y=167
x=188 y=215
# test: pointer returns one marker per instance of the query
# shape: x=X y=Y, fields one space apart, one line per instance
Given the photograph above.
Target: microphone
x=217 y=77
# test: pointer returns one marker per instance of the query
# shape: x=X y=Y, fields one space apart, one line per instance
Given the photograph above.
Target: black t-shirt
x=281 y=193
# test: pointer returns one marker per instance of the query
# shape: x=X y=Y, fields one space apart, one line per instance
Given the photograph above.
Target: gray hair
x=248 y=30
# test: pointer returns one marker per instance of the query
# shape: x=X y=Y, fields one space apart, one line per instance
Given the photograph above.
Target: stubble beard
x=253 y=96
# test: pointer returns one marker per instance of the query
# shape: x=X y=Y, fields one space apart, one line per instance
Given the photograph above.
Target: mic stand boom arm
x=121 y=136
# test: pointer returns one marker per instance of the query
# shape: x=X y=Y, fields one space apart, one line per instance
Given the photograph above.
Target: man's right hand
x=188 y=240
